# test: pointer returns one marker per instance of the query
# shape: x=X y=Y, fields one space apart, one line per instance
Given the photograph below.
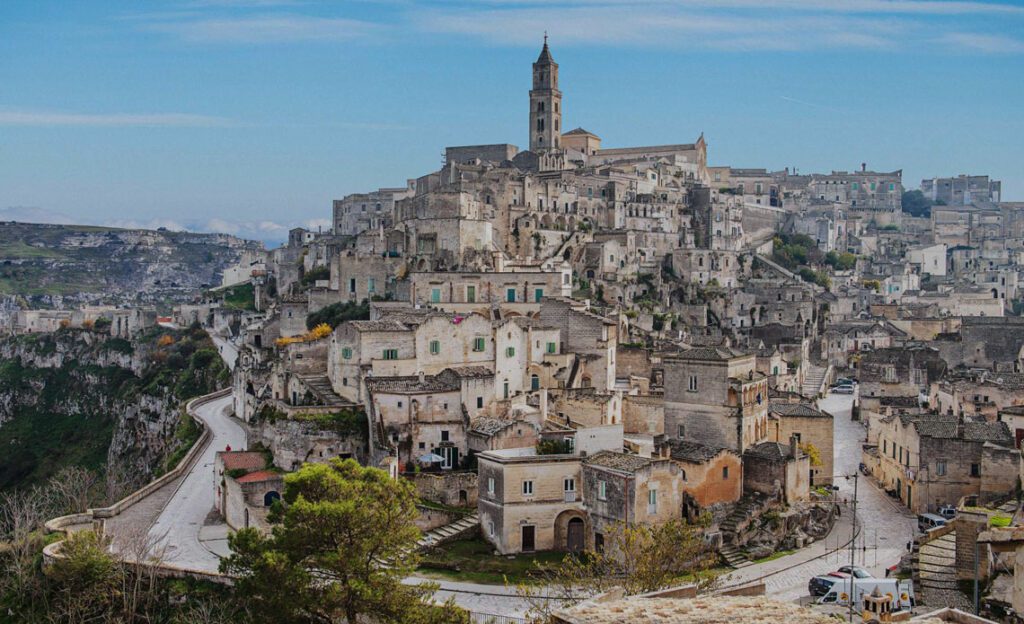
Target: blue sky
x=250 y=116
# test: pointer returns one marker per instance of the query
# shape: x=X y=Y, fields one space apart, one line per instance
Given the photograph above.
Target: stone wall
x=457 y=489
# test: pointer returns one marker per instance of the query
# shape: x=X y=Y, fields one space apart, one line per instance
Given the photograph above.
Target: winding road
x=178 y=526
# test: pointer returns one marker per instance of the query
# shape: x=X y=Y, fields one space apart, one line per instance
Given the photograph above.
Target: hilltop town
x=554 y=341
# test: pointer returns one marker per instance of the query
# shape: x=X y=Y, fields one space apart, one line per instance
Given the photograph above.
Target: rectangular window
x=975 y=470
x=352 y=285
x=725 y=472
x=490 y=485
x=346 y=352
x=371 y=285
x=444 y=436
x=510 y=352
x=479 y=402
x=470 y=294
x=940 y=468
x=538 y=294
x=478 y=344
x=692 y=387
x=390 y=354
x=435 y=295
x=569 y=484
x=435 y=347
x=527 y=488
x=552 y=347
x=652 y=501
x=681 y=431
x=602 y=490
x=510 y=295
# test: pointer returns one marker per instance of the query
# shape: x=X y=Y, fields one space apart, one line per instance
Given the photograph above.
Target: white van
x=900 y=593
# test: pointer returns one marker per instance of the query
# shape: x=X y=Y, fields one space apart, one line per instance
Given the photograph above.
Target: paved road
x=886 y=526
x=181 y=519
x=228 y=350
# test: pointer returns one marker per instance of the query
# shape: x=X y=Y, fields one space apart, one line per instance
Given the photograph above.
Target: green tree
x=343 y=539
x=337 y=313
x=88 y=579
x=916 y=204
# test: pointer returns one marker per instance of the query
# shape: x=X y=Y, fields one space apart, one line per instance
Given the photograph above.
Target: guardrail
x=96 y=516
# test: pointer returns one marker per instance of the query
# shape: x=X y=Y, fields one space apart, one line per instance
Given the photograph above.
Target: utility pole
x=853 y=546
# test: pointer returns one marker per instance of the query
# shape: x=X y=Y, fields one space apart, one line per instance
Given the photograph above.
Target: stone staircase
x=734 y=557
x=814 y=381
x=321 y=388
x=449 y=532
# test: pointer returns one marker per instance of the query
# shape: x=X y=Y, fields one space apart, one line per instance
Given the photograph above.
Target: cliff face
x=79 y=398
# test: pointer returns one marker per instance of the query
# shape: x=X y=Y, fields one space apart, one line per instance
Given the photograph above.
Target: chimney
x=794 y=448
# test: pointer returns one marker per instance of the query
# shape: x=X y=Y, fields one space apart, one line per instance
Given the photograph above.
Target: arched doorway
x=270 y=497
x=574 y=535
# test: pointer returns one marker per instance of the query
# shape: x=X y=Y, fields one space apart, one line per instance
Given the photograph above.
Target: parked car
x=845 y=389
x=855 y=571
x=820 y=585
x=845 y=381
x=947 y=511
x=927 y=522
x=864 y=469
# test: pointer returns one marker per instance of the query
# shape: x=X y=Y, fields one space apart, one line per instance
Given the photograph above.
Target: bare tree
x=22 y=514
x=74 y=488
x=142 y=554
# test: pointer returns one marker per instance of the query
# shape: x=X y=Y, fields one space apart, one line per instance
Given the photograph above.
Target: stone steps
x=448 y=531
x=734 y=557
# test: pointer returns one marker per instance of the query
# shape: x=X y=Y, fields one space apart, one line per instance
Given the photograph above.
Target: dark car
x=819 y=585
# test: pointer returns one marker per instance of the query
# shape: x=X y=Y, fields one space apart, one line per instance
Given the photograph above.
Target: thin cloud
x=150 y=120
x=274 y=28
x=668 y=28
x=909 y=7
x=989 y=44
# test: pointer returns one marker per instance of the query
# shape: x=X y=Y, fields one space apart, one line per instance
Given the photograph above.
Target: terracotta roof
x=242 y=460
x=485 y=425
x=260 y=476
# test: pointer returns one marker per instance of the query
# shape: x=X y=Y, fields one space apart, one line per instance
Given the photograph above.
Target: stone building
x=811 y=427
x=630 y=489
x=932 y=460
x=245 y=488
x=714 y=395
x=711 y=476
x=781 y=471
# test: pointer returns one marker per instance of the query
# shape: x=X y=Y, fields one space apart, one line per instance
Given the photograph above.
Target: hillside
x=81 y=398
x=70 y=265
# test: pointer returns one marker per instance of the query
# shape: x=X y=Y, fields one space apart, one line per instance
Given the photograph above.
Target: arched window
x=540 y=125
x=540 y=107
x=534 y=382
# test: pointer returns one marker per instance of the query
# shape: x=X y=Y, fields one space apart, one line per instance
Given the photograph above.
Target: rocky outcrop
x=76 y=397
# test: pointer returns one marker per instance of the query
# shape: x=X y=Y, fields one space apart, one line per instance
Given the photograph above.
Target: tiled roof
x=622 y=462
x=773 y=451
x=243 y=460
x=798 y=409
x=379 y=326
x=260 y=475
x=470 y=372
x=410 y=384
x=693 y=452
x=485 y=425
x=716 y=354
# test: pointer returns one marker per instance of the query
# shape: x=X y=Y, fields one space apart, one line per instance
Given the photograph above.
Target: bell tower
x=545 y=104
